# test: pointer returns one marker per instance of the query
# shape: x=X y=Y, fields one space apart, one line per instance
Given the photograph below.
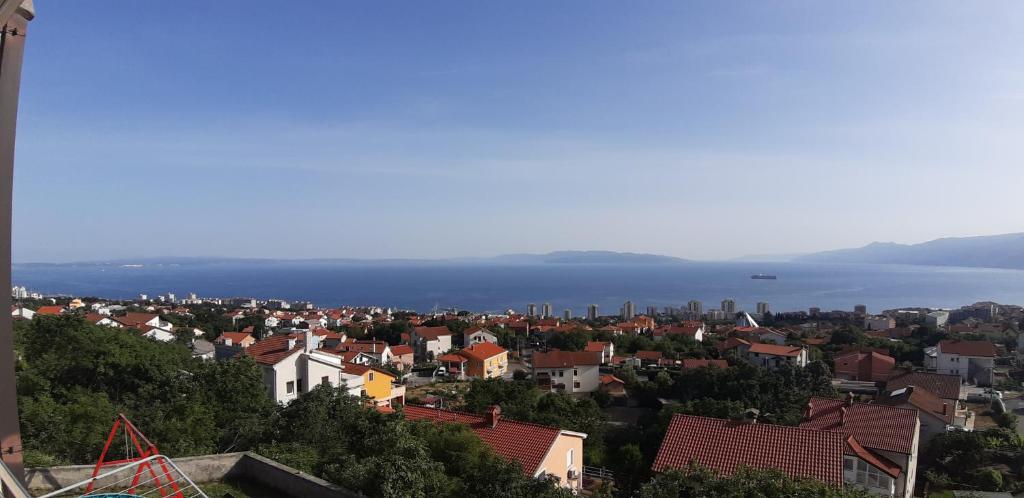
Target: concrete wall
x=246 y=467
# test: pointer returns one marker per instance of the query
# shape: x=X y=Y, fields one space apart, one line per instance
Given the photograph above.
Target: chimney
x=842 y=416
x=750 y=415
x=291 y=343
x=807 y=410
x=309 y=341
x=849 y=399
x=945 y=406
x=492 y=415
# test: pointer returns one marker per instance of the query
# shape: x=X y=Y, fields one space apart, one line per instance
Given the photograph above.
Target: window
x=568 y=458
x=325 y=380
x=575 y=372
x=848 y=464
x=289 y=387
x=576 y=385
x=371 y=376
x=870 y=476
x=561 y=373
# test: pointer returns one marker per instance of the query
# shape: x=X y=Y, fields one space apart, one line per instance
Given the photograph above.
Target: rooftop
x=875 y=426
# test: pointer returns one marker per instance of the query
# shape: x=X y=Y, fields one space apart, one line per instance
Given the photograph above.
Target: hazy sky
x=431 y=129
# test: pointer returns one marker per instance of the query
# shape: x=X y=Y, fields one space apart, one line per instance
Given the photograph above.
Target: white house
x=693 y=330
x=24 y=313
x=568 y=371
x=605 y=348
x=476 y=335
x=271 y=322
x=879 y=323
x=291 y=367
x=774 y=355
x=973 y=361
x=431 y=342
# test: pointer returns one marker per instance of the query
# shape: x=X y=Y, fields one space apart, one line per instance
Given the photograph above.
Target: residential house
x=239 y=339
x=379 y=385
x=50 y=310
x=22 y=313
x=734 y=343
x=936 y=416
x=380 y=351
x=203 y=349
x=104 y=320
x=774 y=355
x=689 y=364
x=973 y=361
x=431 y=342
x=946 y=387
x=612 y=385
x=879 y=323
x=540 y=450
x=724 y=446
x=476 y=335
x=485 y=360
x=693 y=330
x=890 y=433
x=568 y=371
x=863 y=365
x=648 y=357
x=454 y=365
x=606 y=348
x=402 y=356
x=137 y=320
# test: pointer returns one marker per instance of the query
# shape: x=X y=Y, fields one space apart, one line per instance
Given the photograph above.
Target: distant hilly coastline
x=991 y=251
x=556 y=257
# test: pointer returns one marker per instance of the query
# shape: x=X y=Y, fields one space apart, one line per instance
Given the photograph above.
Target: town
x=903 y=402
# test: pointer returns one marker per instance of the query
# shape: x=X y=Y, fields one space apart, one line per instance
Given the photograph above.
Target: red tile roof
x=401 y=350
x=595 y=347
x=775 y=349
x=945 y=386
x=968 y=348
x=357 y=369
x=853 y=447
x=648 y=355
x=725 y=445
x=609 y=378
x=921 y=399
x=432 y=333
x=236 y=337
x=564 y=359
x=134 y=319
x=868 y=366
x=689 y=330
x=522 y=442
x=732 y=342
x=272 y=350
x=705 y=363
x=878 y=427
x=50 y=310
x=451 y=358
x=482 y=351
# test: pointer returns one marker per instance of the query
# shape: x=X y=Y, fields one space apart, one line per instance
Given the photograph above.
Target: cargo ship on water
x=762 y=276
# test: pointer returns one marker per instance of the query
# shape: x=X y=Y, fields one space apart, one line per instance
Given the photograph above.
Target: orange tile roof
x=595 y=347
x=482 y=351
x=451 y=358
x=775 y=349
x=236 y=337
x=432 y=333
x=272 y=350
x=609 y=378
x=724 y=446
x=921 y=399
x=357 y=369
x=880 y=462
x=649 y=355
x=401 y=350
x=521 y=442
x=50 y=310
x=878 y=427
x=968 y=348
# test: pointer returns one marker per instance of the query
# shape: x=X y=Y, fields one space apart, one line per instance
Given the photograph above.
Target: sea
x=499 y=287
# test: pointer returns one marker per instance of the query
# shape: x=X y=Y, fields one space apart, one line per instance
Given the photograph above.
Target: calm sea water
x=494 y=288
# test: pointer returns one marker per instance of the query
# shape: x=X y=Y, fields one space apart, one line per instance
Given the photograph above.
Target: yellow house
x=377 y=384
x=486 y=360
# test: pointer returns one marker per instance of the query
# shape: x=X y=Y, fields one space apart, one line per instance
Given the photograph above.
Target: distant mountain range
x=557 y=257
x=992 y=251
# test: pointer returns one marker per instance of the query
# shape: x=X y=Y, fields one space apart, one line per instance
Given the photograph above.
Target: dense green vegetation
x=990 y=460
x=73 y=378
x=745 y=483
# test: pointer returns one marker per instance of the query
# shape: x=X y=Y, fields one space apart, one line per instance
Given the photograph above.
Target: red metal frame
x=145 y=449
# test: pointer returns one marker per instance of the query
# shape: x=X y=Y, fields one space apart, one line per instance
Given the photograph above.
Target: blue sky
x=431 y=129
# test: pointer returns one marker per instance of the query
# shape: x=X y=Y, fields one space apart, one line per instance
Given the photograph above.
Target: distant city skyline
x=699 y=130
